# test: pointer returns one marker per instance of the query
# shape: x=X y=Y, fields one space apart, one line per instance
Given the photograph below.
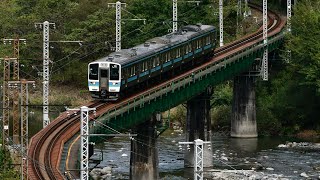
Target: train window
x=144 y=66
x=178 y=52
x=132 y=70
x=93 y=71
x=114 y=72
x=207 y=40
x=155 y=61
x=173 y=53
x=104 y=73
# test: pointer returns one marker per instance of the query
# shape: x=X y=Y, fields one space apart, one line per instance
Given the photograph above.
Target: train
x=111 y=76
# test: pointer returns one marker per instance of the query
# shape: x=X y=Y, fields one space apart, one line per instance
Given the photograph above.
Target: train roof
x=126 y=56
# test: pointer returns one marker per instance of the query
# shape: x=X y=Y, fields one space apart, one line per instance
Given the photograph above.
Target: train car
x=105 y=78
x=111 y=75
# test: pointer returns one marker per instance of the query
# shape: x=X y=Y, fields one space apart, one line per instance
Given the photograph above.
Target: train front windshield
x=114 y=72
x=93 y=71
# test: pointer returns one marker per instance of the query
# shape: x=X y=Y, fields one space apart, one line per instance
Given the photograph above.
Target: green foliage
x=290 y=101
x=221 y=107
x=305 y=45
x=179 y=114
x=6 y=171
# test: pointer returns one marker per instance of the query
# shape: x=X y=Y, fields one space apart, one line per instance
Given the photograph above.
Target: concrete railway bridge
x=49 y=154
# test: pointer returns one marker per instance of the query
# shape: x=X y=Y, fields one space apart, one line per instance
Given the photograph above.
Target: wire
x=126 y=129
x=78 y=50
x=68 y=55
x=130 y=13
x=53 y=71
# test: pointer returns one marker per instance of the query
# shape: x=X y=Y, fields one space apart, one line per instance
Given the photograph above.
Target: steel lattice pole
x=84 y=152
x=118 y=5
x=221 y=21
x=289 y=5
x=265 y=41
x=84 y=143
x=6 y=103
x=174 y=15
x=15 y=94
x=46 y=28
x=15 y=107
x=198 y=155
x=118 y=26
x=24 y=128
x=289 y=15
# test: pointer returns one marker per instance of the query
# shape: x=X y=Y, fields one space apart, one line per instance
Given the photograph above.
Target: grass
x=63 y=95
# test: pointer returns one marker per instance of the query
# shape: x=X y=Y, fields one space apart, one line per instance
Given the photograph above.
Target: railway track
x=45 y=147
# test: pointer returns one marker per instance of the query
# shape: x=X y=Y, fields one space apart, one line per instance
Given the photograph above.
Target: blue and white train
x=120 y=71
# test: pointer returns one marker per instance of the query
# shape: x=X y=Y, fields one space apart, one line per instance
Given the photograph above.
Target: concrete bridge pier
x=144 y=154
x=243 y=120
x=199 y=127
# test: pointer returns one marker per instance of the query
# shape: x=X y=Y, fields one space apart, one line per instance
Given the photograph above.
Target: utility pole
x=46 y=27
x=289 y=16
x=239 y=6
x=84 y=139
x=175 y=13
x=239 y=9
x=288 y=57
x=198 y=157
x=221 y=21
x=118 y=6
x=15 y=97
x=24 y=125
x=247 y=11
x=6 y=100
x=84 y=130
x=265 y=41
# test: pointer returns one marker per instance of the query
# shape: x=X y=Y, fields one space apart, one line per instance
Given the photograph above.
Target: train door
x=104 y=81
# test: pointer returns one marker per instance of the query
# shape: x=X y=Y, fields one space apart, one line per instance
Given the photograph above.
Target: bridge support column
x=243 y=120
x=199 y=127
x=144 y=154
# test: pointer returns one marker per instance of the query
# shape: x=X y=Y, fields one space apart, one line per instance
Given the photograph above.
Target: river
x=262 y=154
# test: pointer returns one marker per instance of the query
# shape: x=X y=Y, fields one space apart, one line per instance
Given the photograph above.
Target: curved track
x=45 y=147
